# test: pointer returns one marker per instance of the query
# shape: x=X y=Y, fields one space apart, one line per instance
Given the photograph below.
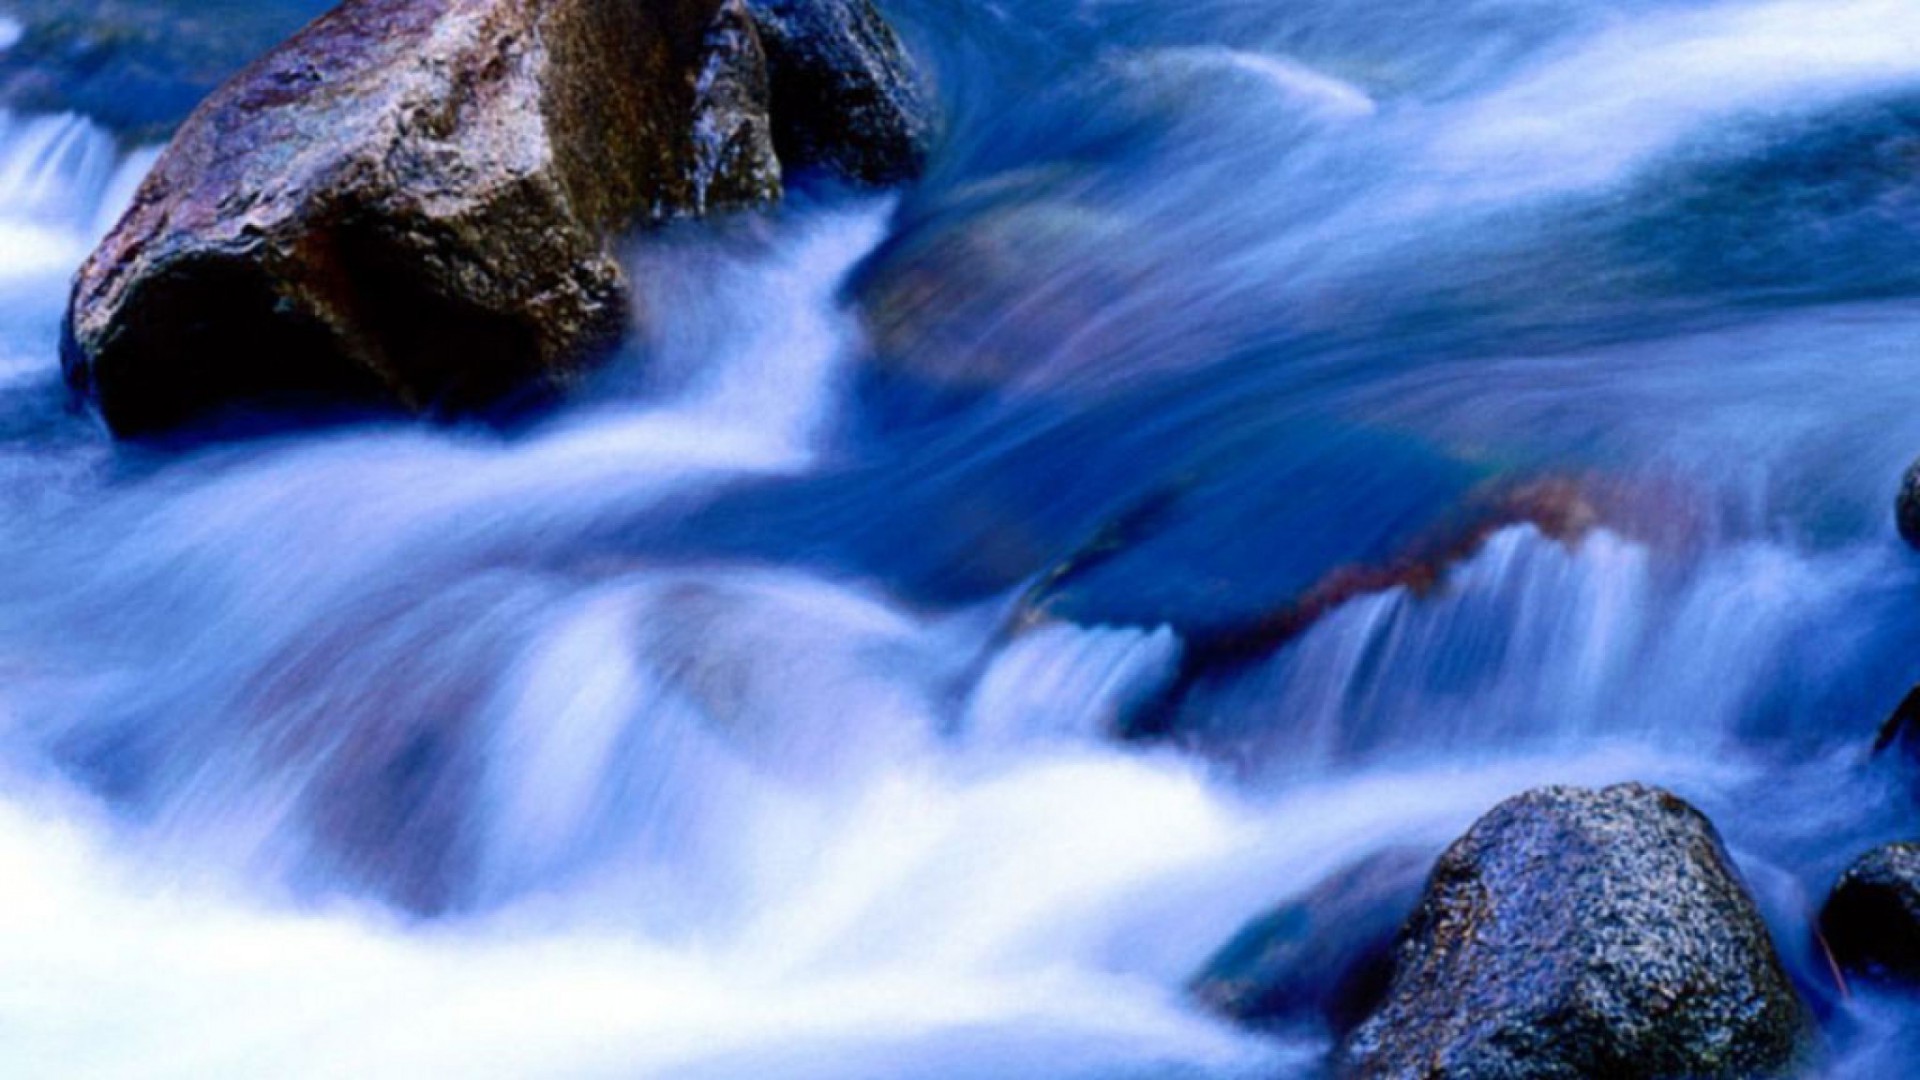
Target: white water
x=717 y=818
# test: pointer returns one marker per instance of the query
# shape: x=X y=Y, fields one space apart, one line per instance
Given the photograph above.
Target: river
x=693 y=728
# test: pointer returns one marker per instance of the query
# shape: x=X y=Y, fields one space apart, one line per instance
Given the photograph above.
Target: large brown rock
x=1576 y=933
x=415 y=202
x=412 y=201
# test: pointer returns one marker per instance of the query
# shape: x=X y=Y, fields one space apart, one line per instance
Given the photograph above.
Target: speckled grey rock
x=1872 y=920
x=849 y=101
x=1906 y=508
x=1577 y=934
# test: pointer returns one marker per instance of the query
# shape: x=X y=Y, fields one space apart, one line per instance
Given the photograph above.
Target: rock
x=1574 y=933
x=413 y=201
x=1872 y=921
x=137 y=67
x=1323 y=958
x=1902 y=727
x=850 y=102
x=1906 y=508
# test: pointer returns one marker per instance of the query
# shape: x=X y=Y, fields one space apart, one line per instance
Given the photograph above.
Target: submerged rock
x=849 y=103
x=1575 y=933
x=994 y=296
x=136 y=67
x=415 y=202
x=1324 y=958
x=1872 y=920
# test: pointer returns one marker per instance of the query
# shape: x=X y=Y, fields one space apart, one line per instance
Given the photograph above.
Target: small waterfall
x=1533 y=647
x=63 y=181
x=55 y=175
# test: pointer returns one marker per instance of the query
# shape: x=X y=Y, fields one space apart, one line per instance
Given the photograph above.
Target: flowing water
x=699 y=727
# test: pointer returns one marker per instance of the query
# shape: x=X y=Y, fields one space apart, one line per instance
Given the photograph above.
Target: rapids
x=693 y=728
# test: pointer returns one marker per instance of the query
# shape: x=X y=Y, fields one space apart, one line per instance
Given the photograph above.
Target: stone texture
x=1575 y=933
x=412 y=201
x=849 y=101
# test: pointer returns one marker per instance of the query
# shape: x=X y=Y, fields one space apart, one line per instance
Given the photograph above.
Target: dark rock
x=413 y=202
x=1906 y=508
x=138 y=67
x=1872 y=921
x=849 y=101
x=1902 y=727
x=1323 y=959
x=1574 y=933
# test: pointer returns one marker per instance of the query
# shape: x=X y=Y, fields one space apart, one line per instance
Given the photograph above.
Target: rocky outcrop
x=849 y=103
x=1575 y=933
x=1872 y=921
x=1324 y=958
x=415 y=202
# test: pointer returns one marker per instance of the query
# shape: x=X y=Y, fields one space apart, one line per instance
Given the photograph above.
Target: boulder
x=1322 y=959
x=1575 y=933
x=1872 y=921
x=850 y=104
x=415 y=203
x=412 y=201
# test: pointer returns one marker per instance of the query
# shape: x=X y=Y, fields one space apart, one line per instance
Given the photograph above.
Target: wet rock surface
x=415 y=204
x=1872 y=921
x=1576 y=933
x=850 y=102
x=411 y=202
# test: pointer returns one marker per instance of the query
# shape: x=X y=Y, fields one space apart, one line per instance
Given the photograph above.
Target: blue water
x=738 y=717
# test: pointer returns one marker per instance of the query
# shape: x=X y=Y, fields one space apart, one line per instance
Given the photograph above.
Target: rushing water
x=694 y=729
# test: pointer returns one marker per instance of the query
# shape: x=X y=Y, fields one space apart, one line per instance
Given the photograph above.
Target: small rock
x=1906 y=508
x=1575 y=933
x=1872 y=920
